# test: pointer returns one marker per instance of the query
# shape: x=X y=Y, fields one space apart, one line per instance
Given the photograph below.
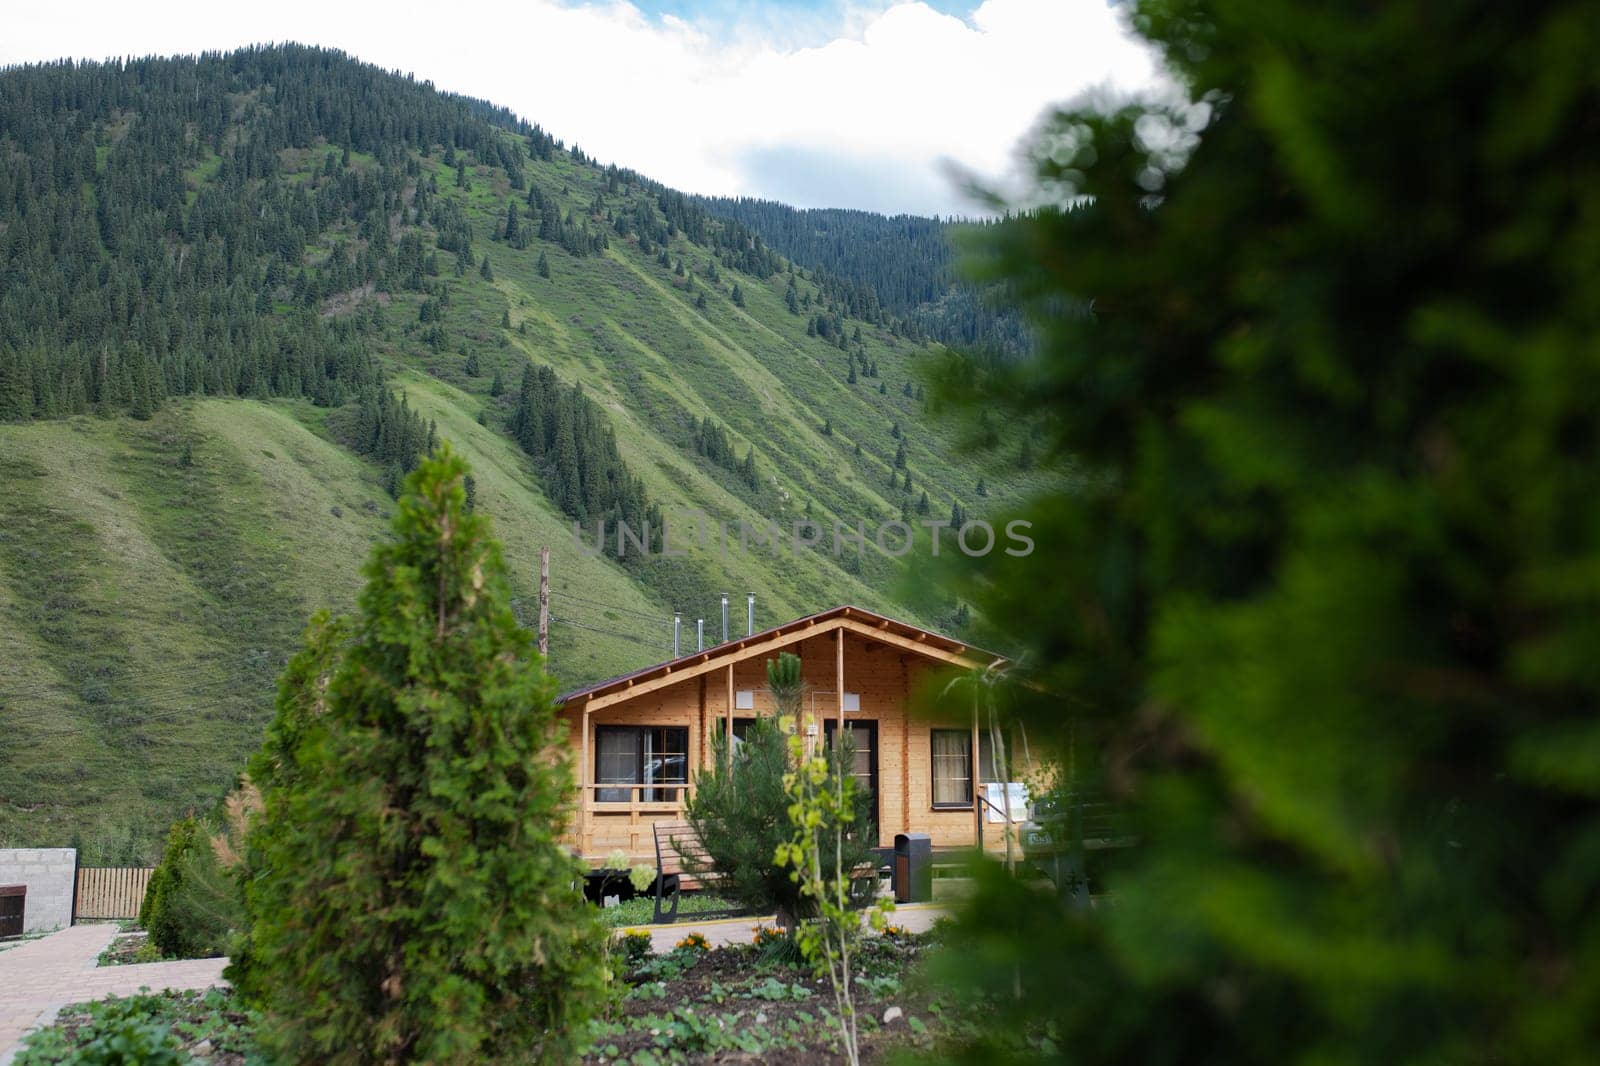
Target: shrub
x=693 y=942
x=193 y=907
x=741 y=813
x=158 y=912
x=410 y=897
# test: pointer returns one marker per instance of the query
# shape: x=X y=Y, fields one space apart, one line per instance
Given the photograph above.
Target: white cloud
x=863 y=120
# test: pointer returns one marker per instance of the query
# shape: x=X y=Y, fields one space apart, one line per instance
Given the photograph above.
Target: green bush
x=192 y=907
x=1315 y=594
x=410 y=897
x=741 y=812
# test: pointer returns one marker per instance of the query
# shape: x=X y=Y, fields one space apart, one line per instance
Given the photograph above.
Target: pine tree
x=472 y=366
x=410 y=901
x=497 y=386
x=485 y=270
x=922 y=503
x=544 y=265
x=983 y=490
x=827 y=427
x=900 y=455
x=738 y=295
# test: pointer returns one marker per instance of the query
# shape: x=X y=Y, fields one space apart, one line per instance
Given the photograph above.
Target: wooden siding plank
x=111 y=891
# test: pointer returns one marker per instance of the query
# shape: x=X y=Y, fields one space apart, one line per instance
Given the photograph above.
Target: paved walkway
x=41 y=976
x=912 y=917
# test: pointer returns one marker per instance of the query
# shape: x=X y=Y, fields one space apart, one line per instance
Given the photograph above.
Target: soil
x=732 y=1006
x=125 y=949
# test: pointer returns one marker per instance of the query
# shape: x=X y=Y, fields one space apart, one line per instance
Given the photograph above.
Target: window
x=952 y=766
x=640 y=755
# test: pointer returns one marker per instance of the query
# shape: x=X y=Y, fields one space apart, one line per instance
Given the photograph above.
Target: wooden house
x=642 y=737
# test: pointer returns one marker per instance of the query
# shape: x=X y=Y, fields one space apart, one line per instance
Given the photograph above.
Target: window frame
x=975 y=776
x=661 y=791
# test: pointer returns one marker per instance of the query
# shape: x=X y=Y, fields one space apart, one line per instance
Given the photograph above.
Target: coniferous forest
x=242 y=294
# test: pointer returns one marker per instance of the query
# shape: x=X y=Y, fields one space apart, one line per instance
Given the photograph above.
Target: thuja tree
x=410 y=896
x=1318 y=350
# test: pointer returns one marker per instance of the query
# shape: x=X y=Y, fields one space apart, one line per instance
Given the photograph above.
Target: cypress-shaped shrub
x=159 y=912
x=411 y=898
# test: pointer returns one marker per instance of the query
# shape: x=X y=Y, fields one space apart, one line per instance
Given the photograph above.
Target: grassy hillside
x=156 y=571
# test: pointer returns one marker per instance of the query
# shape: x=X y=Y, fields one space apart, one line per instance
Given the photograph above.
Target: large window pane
x=640 y=755
x=952 y=768
x=617 y=761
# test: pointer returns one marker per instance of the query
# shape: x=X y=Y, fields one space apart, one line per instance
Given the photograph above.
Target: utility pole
x=544 y=601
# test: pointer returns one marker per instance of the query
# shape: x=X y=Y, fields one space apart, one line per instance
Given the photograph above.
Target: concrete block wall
x=50 y=874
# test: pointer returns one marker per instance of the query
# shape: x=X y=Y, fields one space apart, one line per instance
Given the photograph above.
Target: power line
x=568 y=597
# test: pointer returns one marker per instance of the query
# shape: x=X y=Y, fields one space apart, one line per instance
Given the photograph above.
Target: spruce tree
x=738 y=295
x=410 y=896
x=544 y=265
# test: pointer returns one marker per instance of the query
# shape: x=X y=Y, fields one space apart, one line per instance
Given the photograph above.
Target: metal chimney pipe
x=724 y=618
x=677 y=624
x=699 y=634
x=750 y=621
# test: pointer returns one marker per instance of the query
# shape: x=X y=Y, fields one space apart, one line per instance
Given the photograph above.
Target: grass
x=151 y=602
x=641 y=909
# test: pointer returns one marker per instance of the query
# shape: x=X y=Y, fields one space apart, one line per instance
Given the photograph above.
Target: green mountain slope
x=200 y=452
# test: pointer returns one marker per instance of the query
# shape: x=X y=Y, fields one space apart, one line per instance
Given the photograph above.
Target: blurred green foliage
x=1319 y=598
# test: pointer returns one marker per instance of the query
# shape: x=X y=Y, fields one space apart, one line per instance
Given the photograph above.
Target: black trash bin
x=913 y=868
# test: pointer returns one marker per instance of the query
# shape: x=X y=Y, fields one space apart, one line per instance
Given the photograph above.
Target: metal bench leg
x=663 y=889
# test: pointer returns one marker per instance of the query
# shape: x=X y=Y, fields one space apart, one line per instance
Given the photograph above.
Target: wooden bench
x=682 y=862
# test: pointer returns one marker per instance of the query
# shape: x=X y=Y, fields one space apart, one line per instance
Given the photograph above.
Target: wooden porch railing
x=607 y=824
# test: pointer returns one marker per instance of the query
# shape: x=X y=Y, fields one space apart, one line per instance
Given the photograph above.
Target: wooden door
x=13 y=901
x=864 y=740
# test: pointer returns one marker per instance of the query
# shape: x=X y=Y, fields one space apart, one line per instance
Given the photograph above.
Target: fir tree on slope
x=411 y=901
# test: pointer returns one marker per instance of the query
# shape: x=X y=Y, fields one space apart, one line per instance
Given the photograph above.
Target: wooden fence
x=111 y=891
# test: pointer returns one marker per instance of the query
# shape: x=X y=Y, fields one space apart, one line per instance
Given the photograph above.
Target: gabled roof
x=856 y=620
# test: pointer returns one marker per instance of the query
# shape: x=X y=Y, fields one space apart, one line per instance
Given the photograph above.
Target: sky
x=873 y=104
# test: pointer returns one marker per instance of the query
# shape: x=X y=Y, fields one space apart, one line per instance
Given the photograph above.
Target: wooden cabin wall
x=885 y=677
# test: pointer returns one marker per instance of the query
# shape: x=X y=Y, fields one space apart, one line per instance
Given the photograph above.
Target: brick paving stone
x=40 y=977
